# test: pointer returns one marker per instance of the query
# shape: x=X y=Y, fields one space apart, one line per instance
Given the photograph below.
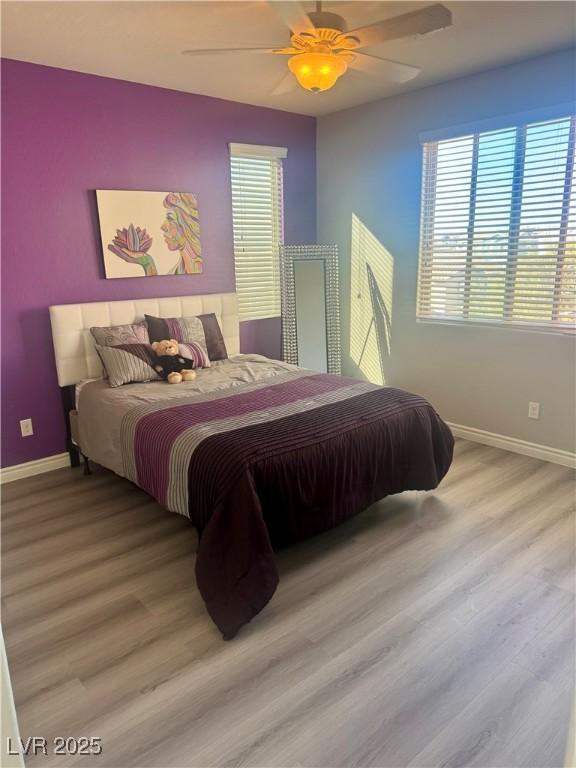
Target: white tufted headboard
x=76 y=358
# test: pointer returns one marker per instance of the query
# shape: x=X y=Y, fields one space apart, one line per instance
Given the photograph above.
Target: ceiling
x=142 y=42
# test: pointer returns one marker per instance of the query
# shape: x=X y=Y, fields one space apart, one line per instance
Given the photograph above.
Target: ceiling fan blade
x=293 y=15
x=421 y=22
x=287 y=51
x=394 y=70
x=286 y=84
x=204 y=51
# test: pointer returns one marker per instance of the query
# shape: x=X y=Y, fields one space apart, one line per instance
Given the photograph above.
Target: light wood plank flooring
x=435 y=629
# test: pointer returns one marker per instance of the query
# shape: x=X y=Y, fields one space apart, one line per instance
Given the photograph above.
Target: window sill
x=569 y=331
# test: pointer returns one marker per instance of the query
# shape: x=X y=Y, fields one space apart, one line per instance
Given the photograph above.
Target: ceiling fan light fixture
x=317 y=71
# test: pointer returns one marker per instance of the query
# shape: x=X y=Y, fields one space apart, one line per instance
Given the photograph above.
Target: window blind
x=257 y=215
x=498 y=227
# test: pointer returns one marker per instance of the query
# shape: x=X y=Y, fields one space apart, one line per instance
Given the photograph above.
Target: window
x=498 y=239
x=257 y=215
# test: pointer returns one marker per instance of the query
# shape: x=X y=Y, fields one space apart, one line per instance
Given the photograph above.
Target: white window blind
x=498 y=228
x=257 y=214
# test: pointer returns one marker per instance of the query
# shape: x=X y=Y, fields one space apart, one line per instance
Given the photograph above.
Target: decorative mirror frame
x=329 y=255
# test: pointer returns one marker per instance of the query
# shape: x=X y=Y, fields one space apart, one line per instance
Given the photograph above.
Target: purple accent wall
x=262 y=336
x=65 y=134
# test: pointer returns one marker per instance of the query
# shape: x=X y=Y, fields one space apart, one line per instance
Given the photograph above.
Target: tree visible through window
x=498 y=240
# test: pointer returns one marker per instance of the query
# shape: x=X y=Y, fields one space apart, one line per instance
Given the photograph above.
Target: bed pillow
x=196 y=353
x=113 y=335
x=127 y=363
x=190 y=329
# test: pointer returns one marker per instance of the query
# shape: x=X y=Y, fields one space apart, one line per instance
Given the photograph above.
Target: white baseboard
x=29 y=468
x=513 y=444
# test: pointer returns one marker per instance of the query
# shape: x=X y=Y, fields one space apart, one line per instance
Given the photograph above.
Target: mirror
x=311 y=314
x=310 y=307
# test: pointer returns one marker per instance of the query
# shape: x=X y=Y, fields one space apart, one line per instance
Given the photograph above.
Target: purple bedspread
x=271 y=463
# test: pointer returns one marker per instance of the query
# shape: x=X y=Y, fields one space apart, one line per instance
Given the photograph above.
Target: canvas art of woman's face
x=180 y=232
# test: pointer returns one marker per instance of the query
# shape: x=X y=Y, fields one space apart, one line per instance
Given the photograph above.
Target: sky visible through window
x=498 y=226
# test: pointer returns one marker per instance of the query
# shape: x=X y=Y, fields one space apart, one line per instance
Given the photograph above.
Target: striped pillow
x=203 y=329
x=196 y=353
x=127 y=363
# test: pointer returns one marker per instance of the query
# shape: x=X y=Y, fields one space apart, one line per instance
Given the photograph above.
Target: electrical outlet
x=533 y=410
x=26 y=427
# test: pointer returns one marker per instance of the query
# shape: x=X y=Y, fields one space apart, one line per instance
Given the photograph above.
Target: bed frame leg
x=68 y=403
x=87 y=470
x=74 y=454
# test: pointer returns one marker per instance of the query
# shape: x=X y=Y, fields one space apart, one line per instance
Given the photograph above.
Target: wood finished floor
x=435 y=629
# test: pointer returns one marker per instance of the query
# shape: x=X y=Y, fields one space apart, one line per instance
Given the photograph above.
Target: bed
x=257 y=453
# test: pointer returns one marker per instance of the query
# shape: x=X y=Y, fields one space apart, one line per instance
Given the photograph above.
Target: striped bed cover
x=276 y=461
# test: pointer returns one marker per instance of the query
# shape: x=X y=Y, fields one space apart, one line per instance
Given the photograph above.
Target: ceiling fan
x=322 y=49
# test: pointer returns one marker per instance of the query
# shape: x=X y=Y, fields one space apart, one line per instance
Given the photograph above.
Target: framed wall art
x=145 y=234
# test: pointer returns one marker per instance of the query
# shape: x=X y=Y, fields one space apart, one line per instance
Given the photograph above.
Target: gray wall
x=369 y=171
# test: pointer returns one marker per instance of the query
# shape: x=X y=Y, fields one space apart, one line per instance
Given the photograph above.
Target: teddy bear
x=171 y=366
